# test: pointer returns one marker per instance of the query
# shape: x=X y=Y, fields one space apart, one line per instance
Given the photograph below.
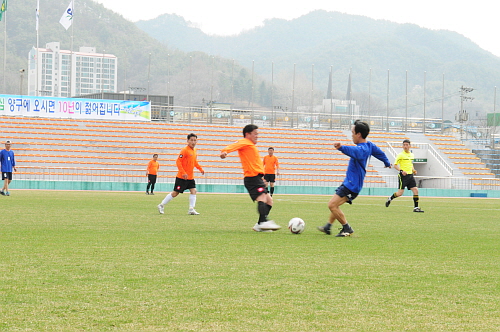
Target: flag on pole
x=37 y=13
x=3 y=8
x=67 y=17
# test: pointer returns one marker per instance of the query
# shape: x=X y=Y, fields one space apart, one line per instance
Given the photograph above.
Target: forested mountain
x=142 y=60
x=374 y=51
x=172 y=57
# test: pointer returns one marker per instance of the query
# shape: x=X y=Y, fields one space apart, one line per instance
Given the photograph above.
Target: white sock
x=192 y=201
x=167 y=199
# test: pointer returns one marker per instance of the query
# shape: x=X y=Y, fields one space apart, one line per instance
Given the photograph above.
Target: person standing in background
x=8 y=163
x=271 y=169
x=152 y=173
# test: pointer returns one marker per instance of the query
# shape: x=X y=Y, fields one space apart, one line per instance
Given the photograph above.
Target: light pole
x=312 y=97
x=442 y=107
x=406 y=104
x=102 y=74
x=232 y=93
x=293 y=97
x=125 y=78
x=369 y=95
x=387 y=115
x=212 y=90
x=272 y=94
x=21 y=79
x=190 y=76
x=462 y=116
x=331 y=96
x=425 y=79
x=494 y=118
x=251 y=95
x=149 y=71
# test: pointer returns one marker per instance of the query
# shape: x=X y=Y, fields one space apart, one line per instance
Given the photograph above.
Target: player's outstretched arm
x=380 y=155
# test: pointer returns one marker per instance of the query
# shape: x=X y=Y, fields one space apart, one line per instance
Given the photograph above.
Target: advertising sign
x=75 y=108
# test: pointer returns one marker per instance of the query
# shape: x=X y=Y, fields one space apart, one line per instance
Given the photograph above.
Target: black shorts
x=152 y=178
x=406 y=181
x=181 y=185
x=255 y=186
x=270 y=178
x=7 y=175
x=342 y=191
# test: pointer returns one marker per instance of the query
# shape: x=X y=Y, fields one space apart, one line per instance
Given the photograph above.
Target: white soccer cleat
x=160 y=208
x=269 y=225
x=257 y=228
x=193 y=212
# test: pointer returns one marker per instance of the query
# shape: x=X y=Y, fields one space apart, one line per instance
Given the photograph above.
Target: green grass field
x=107 y=261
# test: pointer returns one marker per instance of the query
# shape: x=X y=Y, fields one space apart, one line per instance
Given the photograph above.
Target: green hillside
x=355 y=43
x=170 y=70
x=171 y=56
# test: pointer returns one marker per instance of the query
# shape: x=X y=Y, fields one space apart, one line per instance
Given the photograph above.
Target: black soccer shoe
x=345 y=232
x=388 y=202
x=322 y=229
x=417 y=209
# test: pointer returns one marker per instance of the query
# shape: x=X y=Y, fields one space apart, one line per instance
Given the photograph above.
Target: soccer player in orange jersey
x=271 y=168
x=152 y=173
x=186 y=162
x=253 y=170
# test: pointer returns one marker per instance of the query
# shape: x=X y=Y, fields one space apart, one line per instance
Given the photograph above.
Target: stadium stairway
x=464 y=161
x=466 y=165
x=491 y=158
x=468 y=170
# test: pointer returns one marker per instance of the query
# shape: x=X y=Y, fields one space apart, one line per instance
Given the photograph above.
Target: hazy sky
x=478 y=20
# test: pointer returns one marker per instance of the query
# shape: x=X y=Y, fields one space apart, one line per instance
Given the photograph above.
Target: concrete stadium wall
x=221 y=188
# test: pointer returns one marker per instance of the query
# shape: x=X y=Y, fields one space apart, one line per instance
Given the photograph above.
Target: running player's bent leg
x=335 y=212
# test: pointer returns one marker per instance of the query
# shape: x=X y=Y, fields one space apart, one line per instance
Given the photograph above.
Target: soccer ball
x=296 y=225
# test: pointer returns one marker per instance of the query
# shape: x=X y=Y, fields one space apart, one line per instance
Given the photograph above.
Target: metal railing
x=286 y=118
x=439 y=158
x=430 y=149
x=319 y=179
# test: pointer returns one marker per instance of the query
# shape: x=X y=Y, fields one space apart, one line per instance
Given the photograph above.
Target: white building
x=49 y=73
x=337 y=106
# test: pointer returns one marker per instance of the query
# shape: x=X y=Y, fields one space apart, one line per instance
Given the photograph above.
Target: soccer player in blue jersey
x=355 y=176
x=8 y=163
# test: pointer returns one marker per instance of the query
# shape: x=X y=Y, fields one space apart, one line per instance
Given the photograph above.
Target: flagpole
x=4 y=51
x=71 y=54
x=37 y=46
x=36 y=66
x=67 y=21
